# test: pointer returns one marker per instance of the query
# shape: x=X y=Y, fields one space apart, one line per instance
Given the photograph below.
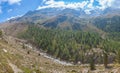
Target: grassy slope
x=32 y=62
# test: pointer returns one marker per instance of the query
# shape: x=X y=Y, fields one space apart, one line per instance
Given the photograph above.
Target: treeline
x=74 y=46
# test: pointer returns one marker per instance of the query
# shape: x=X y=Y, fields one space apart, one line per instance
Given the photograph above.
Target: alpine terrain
x=62 y=38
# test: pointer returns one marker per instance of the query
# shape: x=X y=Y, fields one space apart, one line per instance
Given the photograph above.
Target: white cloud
x=14 y=1
x=105 y=3
x=62 y=4
x=13 y=17
x=90 y=5
x=86 y=5
x=87 y=11
x=10 y=2
x=72 y=5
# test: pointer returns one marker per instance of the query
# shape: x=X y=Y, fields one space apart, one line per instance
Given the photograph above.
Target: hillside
x=67 y=19
x=61 y=40
x=18 y=57
x=110 y=25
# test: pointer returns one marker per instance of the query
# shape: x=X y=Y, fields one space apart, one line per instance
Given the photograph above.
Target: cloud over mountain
x=86 y=5
x=62 y=4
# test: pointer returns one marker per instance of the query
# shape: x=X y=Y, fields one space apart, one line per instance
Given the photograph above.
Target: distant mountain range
x=70 y=19
x=33 y=16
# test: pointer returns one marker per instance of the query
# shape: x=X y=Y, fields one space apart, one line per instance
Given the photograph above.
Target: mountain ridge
x=67 y=19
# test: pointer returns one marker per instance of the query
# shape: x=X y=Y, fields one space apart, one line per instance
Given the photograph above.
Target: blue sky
x=19 y=8
x=13 y=8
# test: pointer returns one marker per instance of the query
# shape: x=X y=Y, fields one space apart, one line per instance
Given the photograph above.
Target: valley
x=61 y=41
x=15 y=58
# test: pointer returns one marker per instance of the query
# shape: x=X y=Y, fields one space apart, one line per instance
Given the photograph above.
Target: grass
x=30 y=63
x=4 y=66
x=27 y=70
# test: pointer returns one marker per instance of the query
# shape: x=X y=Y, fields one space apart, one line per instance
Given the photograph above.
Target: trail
x=12 y=40
x=43 y=62
x=49 y=57
x=55 y=60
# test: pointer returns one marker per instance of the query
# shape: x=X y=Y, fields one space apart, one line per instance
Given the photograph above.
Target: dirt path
x=50 y=57
x=43 y=62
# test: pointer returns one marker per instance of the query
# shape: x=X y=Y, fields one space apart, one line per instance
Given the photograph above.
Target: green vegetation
x=74 y=46
x=110 y=25
x=66 y=45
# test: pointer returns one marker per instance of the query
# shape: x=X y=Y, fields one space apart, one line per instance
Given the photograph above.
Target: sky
x=15 y=8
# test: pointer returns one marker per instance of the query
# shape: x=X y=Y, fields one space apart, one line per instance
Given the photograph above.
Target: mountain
x=108 y=24
x=18 y=57
x=67 y=19
x=51 y=35
x=48 y=13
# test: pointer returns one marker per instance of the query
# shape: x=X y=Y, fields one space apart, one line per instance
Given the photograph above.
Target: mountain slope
x=16 y=58
x=67 y=19
x=66 y=34
x=108 y=24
